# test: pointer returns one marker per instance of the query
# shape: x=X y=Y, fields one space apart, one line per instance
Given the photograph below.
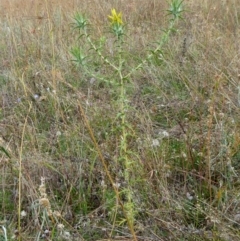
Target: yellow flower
x=115 y=17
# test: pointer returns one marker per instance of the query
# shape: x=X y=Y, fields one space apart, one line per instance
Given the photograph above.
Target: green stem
x=97 y=51
x=159 y=47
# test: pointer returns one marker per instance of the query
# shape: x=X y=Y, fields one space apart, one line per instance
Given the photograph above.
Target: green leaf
x=2 y=149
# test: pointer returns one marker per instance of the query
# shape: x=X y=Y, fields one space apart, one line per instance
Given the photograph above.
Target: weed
x=120 y=82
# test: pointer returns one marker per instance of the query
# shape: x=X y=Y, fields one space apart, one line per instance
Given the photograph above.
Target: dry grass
x=183 y=109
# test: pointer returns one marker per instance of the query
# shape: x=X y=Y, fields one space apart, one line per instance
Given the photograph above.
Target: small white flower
x=184 y=155
x=117 y=184
x=163 y=134
x=155 y=143
x=46 y=232
x=36 y=96
x=221 y=115
x=60 y=226
x=189 y=196
x=58 y=133
x=23 y=214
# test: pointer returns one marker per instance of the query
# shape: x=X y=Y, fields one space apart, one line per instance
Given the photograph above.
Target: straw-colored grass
x=182 y=115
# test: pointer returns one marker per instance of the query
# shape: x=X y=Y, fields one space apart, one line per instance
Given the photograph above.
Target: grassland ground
x=182 y=118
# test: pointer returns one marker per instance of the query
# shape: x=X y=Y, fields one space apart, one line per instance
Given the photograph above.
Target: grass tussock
x=111 y=136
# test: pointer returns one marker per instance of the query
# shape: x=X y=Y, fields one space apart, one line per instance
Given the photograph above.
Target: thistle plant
x=116 y=23
x=120 y=83
x=176 y=9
